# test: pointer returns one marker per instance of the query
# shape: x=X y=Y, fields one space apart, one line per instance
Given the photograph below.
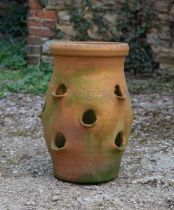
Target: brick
x=50 y=23
x=43 y=14
x=32 y=40
x=41 y=23
x=33 y=60
x=49 y=14
x=41 y=32
x=34 y=23
x=35 y=5
x=33 y=49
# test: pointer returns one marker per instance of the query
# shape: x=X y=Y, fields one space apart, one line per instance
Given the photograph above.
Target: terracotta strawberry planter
x=87 y=115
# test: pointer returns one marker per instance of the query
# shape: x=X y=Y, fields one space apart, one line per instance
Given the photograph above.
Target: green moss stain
x=89 y=138
x=103 y=175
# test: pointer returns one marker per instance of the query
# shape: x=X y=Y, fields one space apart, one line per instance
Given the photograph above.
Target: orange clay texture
x=87 y=115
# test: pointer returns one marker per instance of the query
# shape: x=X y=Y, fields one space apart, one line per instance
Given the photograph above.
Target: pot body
x=87 y=115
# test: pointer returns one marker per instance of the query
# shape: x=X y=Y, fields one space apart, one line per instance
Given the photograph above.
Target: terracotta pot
x=87 y=115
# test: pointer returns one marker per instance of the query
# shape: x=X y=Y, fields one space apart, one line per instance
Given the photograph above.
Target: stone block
x=162 y=6
x=46 y=45
x=67 y=29
x=63 y=16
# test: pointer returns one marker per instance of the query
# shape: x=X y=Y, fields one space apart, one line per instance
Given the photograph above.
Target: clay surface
x=87 y=115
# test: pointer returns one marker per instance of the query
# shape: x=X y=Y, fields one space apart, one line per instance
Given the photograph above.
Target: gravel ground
x=146 y=178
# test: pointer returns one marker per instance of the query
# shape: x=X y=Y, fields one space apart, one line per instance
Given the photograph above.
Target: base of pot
x=86 y=169
x=88 y=180
x=85 y=182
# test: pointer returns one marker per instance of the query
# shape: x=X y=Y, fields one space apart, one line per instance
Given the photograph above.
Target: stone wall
x=161 y=35
x=53 y=21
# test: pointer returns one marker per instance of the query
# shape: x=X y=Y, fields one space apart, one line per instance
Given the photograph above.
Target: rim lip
x=89 y=48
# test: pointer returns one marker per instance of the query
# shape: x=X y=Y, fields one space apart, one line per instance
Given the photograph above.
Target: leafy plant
x=34 y=80
x=15 y=75
x=44 y=2
x=12 y=54
x=133 y=22
x=13 y=19
x=80 y=24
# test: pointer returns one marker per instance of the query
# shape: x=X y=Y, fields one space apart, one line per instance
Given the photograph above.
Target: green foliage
x=15 y=75
x=59 y=34
x=44 y=2
x=80 y=24
x=34 y=80
x=12 y=54
x=103 y=26
x=13 y=19
x=133 y=22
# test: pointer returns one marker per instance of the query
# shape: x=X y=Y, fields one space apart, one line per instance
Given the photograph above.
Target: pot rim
x=89 y=48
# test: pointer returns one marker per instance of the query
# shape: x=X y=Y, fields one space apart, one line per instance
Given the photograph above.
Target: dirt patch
x=146 y=178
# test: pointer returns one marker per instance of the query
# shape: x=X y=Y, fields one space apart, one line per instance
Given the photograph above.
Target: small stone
x=93 y=33
x=56 y=192
x=88 y=15
x=63 y=16
x=27 y=203
x=30 y=203
x=69 y=30
x=161 y=6
x=46 y=46
x=111 y=18
x=55 y=198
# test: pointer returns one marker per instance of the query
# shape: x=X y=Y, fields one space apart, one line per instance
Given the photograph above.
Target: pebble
x=55 y=198
x=56 y=192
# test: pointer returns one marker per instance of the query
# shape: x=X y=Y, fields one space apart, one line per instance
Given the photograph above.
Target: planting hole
x=118 y=92
x=119 y=142
x=60 y=140
x=89 y=118
x=61 y=90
